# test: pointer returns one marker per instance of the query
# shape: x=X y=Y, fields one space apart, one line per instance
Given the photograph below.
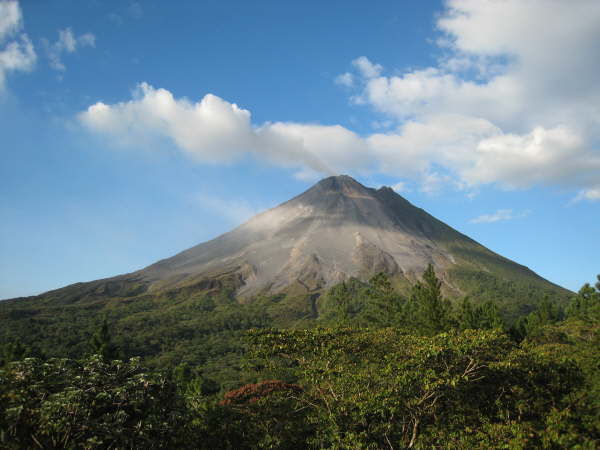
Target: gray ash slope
x=335 y=230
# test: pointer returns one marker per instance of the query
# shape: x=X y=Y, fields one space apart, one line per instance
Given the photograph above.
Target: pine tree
x=467 y=316
x=482 y=317
x=340 y=299
x=489 y=317
x=101 y=343
x=429 y=308
x=384 y=304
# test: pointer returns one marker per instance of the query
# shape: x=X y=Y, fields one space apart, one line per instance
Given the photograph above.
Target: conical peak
x=336 y=229
x=386 y=189
x=338 y=180
x=346 y=187
x=343 y=184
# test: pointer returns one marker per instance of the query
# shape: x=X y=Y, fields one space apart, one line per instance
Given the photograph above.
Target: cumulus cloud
x=10 y=18
x=496 y=108
x=528 y=110
x=213 y=130
x=67 y=42
x=345 y=79
x=366 y=68
x=16 y=50
x=499 y=216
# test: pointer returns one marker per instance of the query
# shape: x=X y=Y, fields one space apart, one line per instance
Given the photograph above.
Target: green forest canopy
x=378 y=371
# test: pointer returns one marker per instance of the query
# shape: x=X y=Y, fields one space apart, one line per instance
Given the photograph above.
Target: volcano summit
x=336 y=230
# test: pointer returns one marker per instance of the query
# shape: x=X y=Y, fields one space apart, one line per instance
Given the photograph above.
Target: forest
x=378 y=369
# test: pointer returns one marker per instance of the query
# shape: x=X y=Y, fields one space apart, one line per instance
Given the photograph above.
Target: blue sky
x=133 y=130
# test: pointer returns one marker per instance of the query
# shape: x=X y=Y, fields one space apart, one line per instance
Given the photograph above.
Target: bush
x=94 y=403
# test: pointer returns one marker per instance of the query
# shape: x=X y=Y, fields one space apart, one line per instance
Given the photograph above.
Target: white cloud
x=499 y=216
x=211 y=130
x=592 y=194
x=442 y=139
x=325 y=149
x=432 y=182
x=345 y=79
x=67 y=43
x=87 y=40
x=216 y=131
x=498 y=108
x=16 y=53
x=11 y=19
x=366 y=68
x=556 y=156
x=16 y=56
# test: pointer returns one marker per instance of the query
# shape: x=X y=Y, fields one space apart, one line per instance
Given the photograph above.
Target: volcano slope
x=271 y=271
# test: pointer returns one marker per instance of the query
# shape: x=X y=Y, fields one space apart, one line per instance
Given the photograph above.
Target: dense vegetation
x=375 y=369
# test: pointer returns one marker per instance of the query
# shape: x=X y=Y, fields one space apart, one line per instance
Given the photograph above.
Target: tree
x=384 y=304
x=13 y=351
x=344 y=301
x=102 y=344
x=546 y=313
x=93 y=403
x=365 y=388
x=428 y=308
x=489 y=317
x=467 y=315
x=585 y=302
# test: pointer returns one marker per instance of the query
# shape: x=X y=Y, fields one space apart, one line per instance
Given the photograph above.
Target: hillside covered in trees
x=376 y=370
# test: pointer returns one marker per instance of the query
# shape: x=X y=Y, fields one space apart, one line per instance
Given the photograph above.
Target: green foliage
x=13 y=351
x=60 y=403
x=353 y=388
x=101 y=343
x=425 y=374
x=206 y=331
x=586 y=304
x=428 y=312
x=483 y=317
x=344 y=301
x=534 y=324
x=386 y=389
x=515 y=295
x=385 y=306
x=374 y=303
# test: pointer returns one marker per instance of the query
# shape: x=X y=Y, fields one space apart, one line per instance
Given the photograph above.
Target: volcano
x=336 y=230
